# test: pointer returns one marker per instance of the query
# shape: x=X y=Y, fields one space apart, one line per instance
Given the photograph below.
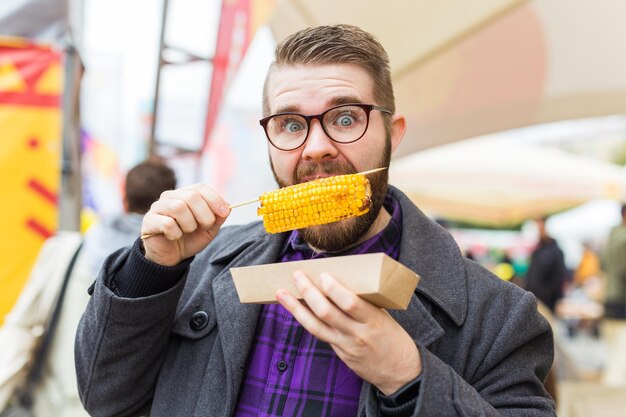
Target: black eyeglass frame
x=320 y=118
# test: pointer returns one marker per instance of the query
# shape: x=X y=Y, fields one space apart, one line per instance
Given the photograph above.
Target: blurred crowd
x=585 y=305
x=593 y=289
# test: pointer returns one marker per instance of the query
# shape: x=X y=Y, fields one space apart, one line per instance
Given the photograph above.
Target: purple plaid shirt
x=289 y=372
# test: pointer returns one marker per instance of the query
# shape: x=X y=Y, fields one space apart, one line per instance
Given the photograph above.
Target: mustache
x=308 y=169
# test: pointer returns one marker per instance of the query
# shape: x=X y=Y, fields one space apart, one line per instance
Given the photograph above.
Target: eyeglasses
x=343 y=124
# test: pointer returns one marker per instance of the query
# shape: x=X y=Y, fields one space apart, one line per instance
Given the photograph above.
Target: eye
x=345 y=120
x=291 y=125
x=294 y=127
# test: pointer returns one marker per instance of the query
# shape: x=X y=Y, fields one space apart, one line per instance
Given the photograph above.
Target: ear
x=125 y=203
x=398 y=128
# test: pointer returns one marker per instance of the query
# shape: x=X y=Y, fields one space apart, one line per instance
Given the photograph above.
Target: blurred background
x=515 y=108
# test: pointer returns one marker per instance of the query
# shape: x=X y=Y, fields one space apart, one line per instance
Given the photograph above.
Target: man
x=614 y=264
x=546 y=272
x=165 y=332
x=56 y=393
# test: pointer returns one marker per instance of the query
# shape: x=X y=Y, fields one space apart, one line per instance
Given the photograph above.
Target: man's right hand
x=183 y=222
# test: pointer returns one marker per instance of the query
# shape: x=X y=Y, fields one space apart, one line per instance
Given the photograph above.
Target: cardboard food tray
x=375 y=277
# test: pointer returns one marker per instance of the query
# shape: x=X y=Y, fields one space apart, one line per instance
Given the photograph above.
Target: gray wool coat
x=485 y=348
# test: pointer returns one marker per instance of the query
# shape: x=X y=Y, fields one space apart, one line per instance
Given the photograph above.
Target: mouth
x=309 y=178
x=310 y=171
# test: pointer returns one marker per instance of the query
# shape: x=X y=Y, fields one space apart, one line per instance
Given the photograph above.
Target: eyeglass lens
x=342 y=124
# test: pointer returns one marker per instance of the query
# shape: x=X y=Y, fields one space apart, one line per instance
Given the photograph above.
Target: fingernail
x=325 y=280
x=298 y=278
x=224 y=210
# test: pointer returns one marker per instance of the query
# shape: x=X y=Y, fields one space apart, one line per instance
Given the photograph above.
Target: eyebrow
x=335 y=101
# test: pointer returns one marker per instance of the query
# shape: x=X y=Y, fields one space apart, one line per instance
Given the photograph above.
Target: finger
x=157 y=224
x=305 y=317
x=346 y=300
x=321 y=306
x=215 y=201
x=199 y=208
x=177 y=209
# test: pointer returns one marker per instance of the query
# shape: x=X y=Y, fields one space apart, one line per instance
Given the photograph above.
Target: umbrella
x=496 y=182
x=464 y=69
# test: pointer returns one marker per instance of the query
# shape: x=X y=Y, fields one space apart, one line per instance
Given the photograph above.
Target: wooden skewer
x=244 y=203
x=232 y=206
x=371 y=171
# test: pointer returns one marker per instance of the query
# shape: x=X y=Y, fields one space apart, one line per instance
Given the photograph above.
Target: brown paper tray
x=375 y=277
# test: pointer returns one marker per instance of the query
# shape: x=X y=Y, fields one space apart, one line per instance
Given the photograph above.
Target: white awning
x=41 y=20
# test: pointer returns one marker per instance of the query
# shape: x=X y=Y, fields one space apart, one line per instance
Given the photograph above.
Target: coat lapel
x=432 y=253
x=236 y=321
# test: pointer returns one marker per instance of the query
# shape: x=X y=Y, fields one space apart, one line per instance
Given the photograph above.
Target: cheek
x=284 y=163
x=365 y=153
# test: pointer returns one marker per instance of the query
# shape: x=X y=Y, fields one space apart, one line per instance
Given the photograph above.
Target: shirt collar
x=387 y=240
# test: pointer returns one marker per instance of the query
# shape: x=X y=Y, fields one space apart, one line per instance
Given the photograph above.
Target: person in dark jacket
x=546 y=272
x=166 y=334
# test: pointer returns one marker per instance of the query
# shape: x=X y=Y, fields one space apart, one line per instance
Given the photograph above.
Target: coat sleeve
x=508 y=379
x=121 y=344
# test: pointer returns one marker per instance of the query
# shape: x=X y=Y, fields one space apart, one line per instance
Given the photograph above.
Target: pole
x=152 y=143
x=71 y=201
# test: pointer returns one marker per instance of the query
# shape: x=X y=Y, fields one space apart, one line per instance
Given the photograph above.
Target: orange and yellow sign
x=30 y=134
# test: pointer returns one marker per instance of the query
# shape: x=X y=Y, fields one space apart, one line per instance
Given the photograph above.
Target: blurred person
x=165 y=333
x=55 y=392
x=614 y=264
x=588 y=267
x=589 y=276
x=546 y=272
x=578 y=308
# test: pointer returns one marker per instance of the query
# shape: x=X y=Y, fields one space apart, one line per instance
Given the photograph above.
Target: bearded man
x=165 y=332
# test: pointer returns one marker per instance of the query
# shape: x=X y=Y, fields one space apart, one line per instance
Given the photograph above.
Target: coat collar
x=430 y=250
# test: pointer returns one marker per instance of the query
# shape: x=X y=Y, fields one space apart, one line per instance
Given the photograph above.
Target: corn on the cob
x=312 y=203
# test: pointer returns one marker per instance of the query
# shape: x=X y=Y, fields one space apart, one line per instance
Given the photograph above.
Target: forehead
x=312 y=88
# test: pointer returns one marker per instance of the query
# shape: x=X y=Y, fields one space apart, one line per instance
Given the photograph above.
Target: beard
x=340 y=235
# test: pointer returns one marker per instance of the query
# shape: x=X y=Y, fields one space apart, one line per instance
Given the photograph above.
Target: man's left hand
x=364 y=336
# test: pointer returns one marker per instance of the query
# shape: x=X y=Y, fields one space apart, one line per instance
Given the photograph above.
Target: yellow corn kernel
x=312 y=203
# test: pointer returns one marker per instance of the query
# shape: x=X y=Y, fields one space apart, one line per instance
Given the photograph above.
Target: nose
x=318 y=145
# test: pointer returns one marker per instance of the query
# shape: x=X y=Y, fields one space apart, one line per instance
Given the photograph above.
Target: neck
x=382 y=220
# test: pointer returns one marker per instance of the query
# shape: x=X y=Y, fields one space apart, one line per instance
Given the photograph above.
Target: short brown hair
x=338 y=44
x=145 y=183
